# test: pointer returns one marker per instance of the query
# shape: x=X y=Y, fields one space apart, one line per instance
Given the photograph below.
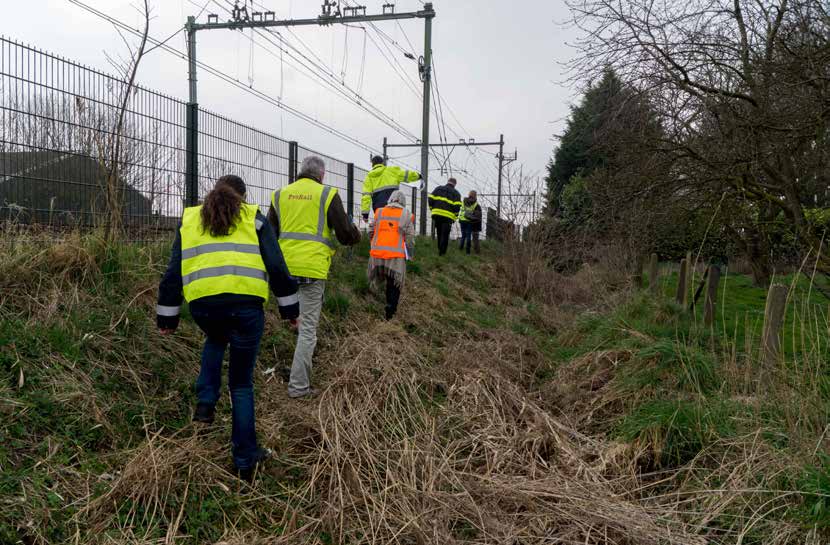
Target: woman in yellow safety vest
x=223 y=262
x=392 y=241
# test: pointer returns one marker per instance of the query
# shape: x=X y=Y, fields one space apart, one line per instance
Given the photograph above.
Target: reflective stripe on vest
x=305 y=238
x=229 y=264
x=213 y=272
x=220 y=247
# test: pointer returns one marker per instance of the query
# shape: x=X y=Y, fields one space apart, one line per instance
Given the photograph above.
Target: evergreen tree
x=580 y=151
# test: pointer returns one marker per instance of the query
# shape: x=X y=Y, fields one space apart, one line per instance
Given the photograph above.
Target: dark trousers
x=469 y=237
x=443 y=226
x=241 y=328
x=393 y=297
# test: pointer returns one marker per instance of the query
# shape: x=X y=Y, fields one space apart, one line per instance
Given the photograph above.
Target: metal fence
x=58 y=148
x=58 y=122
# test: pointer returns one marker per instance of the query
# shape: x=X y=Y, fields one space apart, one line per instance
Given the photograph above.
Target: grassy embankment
x=696 y=407
x=476 y=416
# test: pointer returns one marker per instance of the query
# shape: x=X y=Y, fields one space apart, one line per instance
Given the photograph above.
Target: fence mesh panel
x=61 y=163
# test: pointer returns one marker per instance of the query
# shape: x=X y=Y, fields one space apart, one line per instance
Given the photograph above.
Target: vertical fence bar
x=293 y=149
x=350 y=190
x=414 y=206
x=192 y=153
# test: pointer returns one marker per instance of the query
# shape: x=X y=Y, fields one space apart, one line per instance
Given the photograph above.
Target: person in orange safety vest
x=392 y=245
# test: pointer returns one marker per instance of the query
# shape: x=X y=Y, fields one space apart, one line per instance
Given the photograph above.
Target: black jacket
x=445 y=198
x=282 y=284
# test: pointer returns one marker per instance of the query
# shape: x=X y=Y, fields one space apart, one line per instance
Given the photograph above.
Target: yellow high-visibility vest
x=467 y=212
x=305 y=237
x=230 y=264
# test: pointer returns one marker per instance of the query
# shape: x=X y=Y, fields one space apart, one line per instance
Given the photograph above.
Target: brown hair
x=220 y=211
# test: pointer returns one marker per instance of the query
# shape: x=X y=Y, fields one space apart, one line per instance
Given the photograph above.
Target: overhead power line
x=325 y=78
x=231 y=80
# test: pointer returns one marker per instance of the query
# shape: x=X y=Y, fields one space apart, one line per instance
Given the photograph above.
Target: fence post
x=710 y=304
x=638 y=273
x=350 y=190
x=414 y=201
x=774 y=322
x=292 y=161
x=191 y=178
x=683 y=283
x=690 y=276
x=653 y=275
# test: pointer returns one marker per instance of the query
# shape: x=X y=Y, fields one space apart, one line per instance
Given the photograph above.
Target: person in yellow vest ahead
x=304 y=215
x=380 y=183
x=224 y=259
x=392 y=245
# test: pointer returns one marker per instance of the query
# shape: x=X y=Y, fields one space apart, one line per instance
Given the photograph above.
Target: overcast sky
x=497 y=63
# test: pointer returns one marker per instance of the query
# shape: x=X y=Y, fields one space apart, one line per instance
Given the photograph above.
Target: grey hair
x=398 y=197
x=312 y=167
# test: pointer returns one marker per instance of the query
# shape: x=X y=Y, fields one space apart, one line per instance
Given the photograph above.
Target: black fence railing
x=59 y=150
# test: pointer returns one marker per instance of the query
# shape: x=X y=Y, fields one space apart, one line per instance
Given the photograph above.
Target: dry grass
x=463 y=457
x=429 y=431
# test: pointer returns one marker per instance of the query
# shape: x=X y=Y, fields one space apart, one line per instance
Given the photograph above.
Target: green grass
x=815 y=482
x=683 y=390
x=676 y=431
x=97 y=380
x=740 y=309
x=85 y=377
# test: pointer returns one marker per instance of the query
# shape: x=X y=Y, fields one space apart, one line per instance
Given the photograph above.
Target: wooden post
x=638 y=273
x=683 y=284
x=710 y=303
x=774 y=323
x=653 y=275
x=690 y=277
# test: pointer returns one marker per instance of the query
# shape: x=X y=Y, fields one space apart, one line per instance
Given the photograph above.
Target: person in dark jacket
x=470 y=221
x=445 y=204
x=224 y=260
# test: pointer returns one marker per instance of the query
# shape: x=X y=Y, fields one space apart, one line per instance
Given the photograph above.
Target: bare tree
x=742 y=91
x=111 y=148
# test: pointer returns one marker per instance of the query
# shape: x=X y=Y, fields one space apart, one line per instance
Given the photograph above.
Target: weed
x=815 y=484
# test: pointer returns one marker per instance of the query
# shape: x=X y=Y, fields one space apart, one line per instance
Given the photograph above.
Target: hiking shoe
x=247 y=474
x=311 y=392
x=204 y=413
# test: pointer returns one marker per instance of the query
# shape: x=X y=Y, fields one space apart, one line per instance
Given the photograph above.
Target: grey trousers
x=311 y=303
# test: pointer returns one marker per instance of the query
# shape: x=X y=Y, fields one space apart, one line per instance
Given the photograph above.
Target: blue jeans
x=242 y=328
x=466 y=235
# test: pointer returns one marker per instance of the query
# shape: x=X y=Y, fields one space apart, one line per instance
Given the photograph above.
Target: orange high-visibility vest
x=388 y=241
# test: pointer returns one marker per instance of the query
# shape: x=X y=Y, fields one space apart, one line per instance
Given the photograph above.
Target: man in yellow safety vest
x=305 y=214
x=380 y=183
